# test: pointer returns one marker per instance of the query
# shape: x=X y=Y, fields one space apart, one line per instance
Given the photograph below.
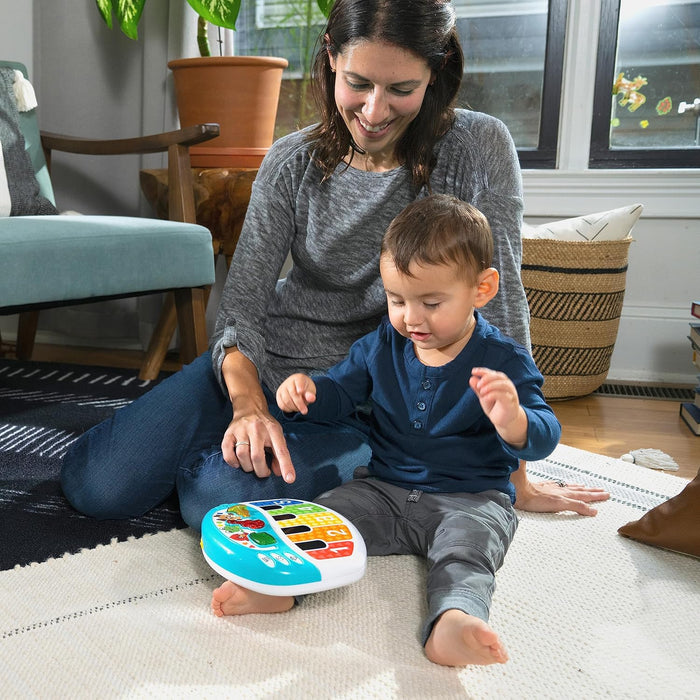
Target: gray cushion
x=22 y=183
x=65 y=258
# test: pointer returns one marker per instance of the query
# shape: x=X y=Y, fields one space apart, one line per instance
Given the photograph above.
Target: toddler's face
x=433 y=306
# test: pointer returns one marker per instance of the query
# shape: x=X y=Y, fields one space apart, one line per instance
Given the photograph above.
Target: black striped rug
x=44 y=407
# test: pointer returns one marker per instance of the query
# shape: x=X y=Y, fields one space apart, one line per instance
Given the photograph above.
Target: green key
x=262 y=539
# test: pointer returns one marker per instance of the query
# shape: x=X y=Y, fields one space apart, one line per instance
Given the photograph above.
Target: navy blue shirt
x=428 y=429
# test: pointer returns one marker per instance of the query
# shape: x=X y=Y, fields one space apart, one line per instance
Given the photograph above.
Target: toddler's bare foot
x=459 y=639
x=231 y=599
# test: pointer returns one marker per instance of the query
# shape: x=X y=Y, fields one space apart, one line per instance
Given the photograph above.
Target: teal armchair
x=56 y=260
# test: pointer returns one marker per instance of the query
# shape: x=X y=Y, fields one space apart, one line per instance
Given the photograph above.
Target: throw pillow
x=610 y=225
x=672 y=525
x=17 y=177
x=5 y=200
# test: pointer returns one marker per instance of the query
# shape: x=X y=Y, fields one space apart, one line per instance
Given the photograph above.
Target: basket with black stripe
x=575 y=291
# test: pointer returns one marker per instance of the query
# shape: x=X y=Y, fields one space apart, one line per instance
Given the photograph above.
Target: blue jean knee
x=128 y=464
x=323 y=455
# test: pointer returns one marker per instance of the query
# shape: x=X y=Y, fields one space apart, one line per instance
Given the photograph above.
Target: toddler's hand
x=295 y=393
x=499 y=400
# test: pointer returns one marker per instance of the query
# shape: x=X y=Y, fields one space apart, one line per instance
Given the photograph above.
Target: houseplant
x=240 y=93
x=222 y=13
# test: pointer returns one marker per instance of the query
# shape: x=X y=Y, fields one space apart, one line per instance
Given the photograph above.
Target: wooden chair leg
x=26 y=333
x=163 y=334
x=160 y=340
x=191 y=316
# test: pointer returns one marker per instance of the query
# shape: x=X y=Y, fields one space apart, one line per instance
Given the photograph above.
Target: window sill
x=668 y=194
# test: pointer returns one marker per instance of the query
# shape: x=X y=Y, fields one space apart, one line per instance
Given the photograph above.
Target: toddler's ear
x=487 y=286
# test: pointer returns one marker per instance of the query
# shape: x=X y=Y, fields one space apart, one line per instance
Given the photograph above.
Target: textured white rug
x=584 y=613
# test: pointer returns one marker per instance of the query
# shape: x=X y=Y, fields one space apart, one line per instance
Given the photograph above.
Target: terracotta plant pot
x=241 y=94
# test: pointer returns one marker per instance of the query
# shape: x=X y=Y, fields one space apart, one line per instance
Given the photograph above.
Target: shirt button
x=417 y=424
x=420 y=406
x=426 y=384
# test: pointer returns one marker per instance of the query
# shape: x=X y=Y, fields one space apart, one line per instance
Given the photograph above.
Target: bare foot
x=459 y=639
x=231 y=599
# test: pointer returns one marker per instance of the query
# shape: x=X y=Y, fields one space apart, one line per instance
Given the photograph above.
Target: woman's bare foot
x=459 y=639
x=231 y=599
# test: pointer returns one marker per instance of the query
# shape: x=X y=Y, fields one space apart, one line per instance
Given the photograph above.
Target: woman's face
x=379 y=91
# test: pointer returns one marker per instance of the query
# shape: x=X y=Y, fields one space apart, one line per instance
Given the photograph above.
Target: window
x=513 y=69
x=646 y=110
x=275 y=14
x=513 y=62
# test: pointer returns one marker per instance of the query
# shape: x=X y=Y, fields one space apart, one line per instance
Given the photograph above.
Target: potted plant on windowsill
x=240 y=93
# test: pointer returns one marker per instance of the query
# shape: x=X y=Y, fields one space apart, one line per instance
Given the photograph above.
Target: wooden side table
x=221 y=197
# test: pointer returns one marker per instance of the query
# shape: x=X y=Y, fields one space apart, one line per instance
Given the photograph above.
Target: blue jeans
x=170 y=439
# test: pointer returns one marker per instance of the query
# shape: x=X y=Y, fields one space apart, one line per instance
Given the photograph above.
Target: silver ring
x=561 y=483
x=240 y=443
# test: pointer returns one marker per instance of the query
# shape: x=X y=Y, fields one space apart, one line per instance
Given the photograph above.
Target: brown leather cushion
x=674 y=524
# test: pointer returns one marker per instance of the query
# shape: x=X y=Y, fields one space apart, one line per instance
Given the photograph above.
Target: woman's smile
x=373 y=130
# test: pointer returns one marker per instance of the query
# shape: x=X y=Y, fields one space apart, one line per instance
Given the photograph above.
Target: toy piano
x=283 y=546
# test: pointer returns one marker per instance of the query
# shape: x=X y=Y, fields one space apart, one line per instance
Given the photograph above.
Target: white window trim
x=573 y=188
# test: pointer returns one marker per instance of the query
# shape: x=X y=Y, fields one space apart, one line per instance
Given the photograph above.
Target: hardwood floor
x=129 y=359
x=612 y=425
x=607 y=425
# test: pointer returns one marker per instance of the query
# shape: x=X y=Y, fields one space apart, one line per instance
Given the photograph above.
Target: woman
x=386 y=77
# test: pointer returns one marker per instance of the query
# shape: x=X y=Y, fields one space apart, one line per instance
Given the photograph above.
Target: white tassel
x=651 y=459
x=24 y=93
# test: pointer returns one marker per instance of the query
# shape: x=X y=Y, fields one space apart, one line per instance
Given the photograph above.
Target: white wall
x=16 y=35
x=94 y=82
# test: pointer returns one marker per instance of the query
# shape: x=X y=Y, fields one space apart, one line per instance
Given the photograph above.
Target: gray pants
x=463 y=536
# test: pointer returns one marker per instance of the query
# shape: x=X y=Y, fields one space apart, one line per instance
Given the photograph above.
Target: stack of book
x=690 y=410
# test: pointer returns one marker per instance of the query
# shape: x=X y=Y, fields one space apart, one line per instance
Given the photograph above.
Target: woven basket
x=575 y=291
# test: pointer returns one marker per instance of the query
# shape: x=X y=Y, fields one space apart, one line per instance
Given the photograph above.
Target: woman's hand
x=554 y=496
x=254 y=440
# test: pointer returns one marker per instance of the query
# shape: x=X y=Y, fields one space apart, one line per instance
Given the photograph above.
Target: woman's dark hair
x=427 y=29
x=440 y=230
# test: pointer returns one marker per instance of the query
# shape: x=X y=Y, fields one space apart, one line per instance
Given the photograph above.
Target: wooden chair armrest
x=154 y=143
x=181 y=205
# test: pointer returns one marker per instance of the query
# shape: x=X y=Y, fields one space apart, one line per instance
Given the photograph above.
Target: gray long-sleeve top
x=333 y=293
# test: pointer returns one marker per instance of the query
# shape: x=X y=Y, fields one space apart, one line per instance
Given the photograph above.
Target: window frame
x=600 y=154
x=545 y=155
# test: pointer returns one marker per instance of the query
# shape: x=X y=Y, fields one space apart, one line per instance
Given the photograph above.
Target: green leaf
x=128 y=14
x=325 y=6
x=222 y=13
x=105 y=8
